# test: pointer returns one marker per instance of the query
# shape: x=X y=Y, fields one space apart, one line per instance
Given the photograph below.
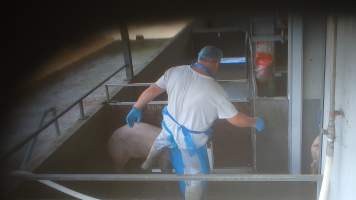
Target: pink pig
x=315 y=154
x=126 y=143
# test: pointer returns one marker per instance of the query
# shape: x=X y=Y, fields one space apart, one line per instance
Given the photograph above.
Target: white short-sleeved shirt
x=195 y=101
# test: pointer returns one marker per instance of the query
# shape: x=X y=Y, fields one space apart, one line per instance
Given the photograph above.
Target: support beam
x=127 y=51
x=295 y=91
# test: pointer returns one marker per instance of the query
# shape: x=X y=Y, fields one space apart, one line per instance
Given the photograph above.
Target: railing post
x=56 y=124
x=81 y=107
x=28 y=153
x=107 y=93
x=127 y=51
x=7 y=154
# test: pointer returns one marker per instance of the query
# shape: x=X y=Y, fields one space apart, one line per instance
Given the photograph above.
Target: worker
x=195 y=101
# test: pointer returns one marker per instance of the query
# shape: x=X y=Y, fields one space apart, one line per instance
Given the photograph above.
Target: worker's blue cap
x=210 y=53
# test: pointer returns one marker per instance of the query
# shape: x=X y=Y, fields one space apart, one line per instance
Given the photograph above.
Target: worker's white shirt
x=195 y=101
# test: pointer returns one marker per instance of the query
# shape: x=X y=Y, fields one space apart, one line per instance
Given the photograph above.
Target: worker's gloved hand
x=260 y=124
x=133 y=116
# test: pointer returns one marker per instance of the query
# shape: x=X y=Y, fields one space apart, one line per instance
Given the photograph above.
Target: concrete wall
x=343 y=180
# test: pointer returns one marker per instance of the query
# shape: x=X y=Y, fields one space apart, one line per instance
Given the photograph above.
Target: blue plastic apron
x=175 y=153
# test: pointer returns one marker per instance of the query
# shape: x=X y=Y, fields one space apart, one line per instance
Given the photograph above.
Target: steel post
x=107 y=93
x=295 y=91
x=81 y=107
x=127 y=51
x=56 y=123
x=28 y=153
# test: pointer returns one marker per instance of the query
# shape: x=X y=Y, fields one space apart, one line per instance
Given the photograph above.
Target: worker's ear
x=216 y=66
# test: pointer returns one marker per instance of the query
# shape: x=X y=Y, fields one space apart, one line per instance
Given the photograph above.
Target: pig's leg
x=120 y=156
x=120 y=163
x=315 y=154
x=164 y=162
x=314 y=167
x=158 y=146
x=152 y=155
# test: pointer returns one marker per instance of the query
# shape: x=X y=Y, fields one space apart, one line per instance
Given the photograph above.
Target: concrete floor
x=62 y=88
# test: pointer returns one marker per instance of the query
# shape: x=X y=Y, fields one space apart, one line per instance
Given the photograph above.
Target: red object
x=263 y=60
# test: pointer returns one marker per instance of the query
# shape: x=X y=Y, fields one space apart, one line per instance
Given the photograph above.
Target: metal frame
x=79 y=102
x=253 y=90
x=330 y=61
x=149 y=84
x=295 y=91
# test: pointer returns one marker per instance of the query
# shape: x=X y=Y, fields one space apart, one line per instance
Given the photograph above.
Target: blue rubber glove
x=133 y=116
x=260 y=124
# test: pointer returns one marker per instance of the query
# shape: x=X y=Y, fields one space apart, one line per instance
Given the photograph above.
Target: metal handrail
x=170 y=177
x=31 y=147
x=164 y=102
x=38 y=131
x=149 y=84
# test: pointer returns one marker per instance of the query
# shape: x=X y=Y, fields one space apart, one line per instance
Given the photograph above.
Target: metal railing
x=31 y=146
x=169 y=177
x=79 y=102
x=48 y=179
x=149 y=84
x=131 y=103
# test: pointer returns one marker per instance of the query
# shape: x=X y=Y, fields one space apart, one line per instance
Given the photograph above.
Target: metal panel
x=232 y=72
x=295 y=91
x=272 y=143
x=236 y=91
x=232 y=145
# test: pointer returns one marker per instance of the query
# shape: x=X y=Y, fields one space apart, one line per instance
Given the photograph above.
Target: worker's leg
x=194 y=190
x=157 y=147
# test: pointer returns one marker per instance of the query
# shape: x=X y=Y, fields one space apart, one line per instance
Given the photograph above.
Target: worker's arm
x=242 y=120
x=148 y=95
